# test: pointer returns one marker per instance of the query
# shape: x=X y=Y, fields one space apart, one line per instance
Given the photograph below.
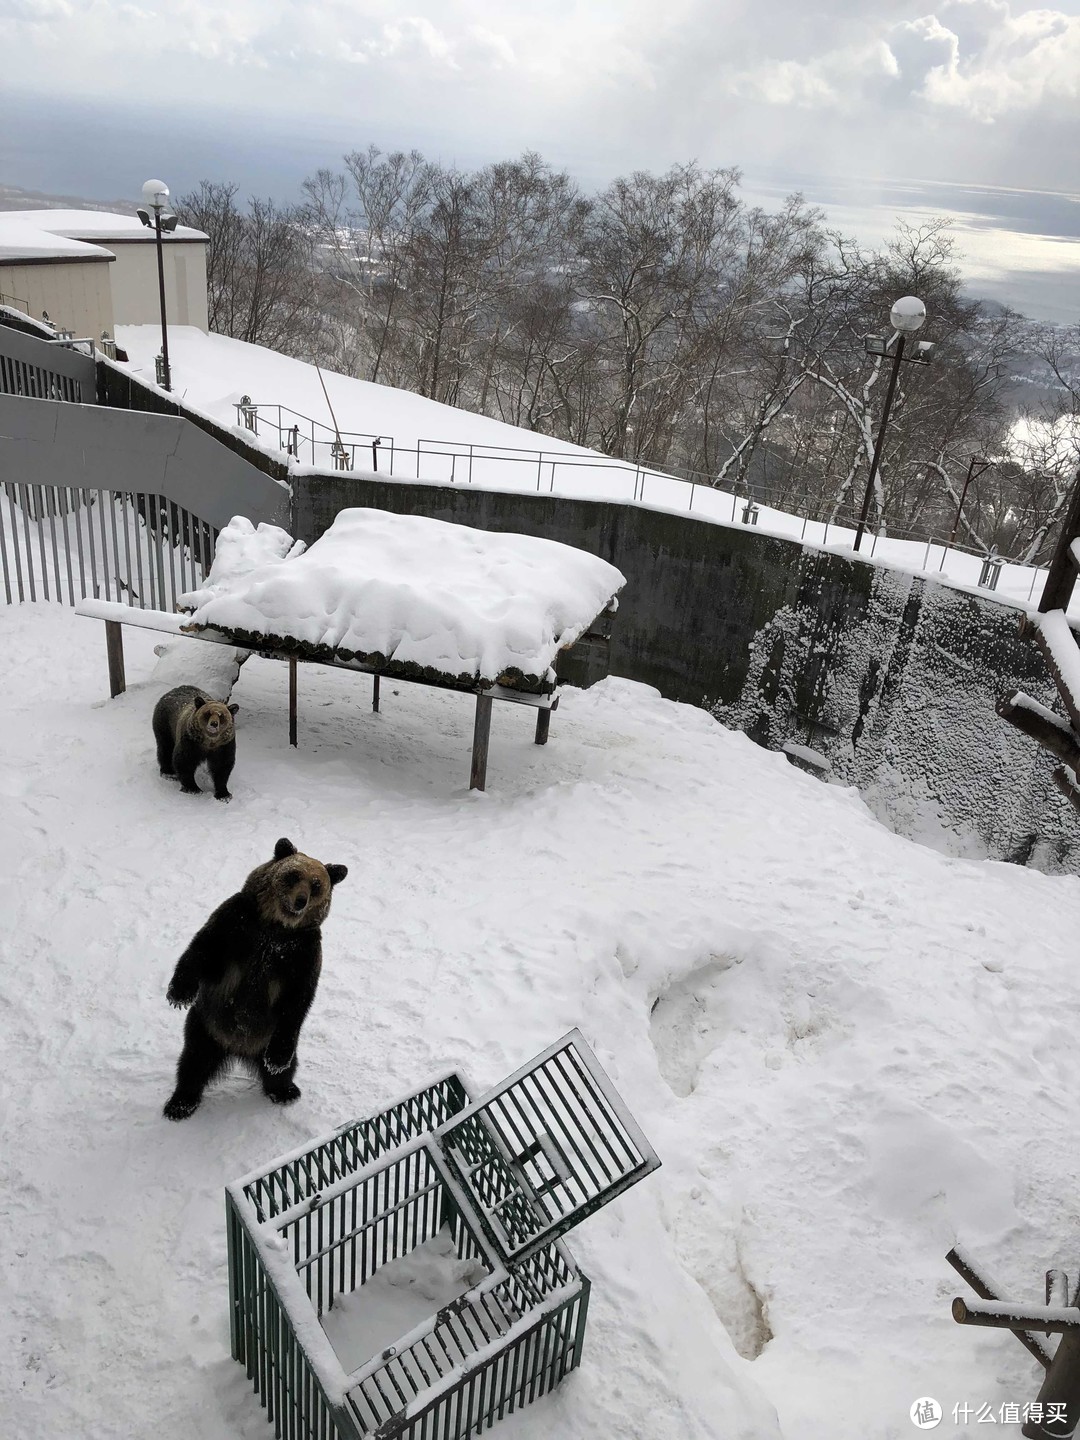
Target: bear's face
x=293 y=890
x=212 y=723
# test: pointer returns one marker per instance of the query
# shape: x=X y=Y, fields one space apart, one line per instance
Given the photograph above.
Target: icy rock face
x=895 y=679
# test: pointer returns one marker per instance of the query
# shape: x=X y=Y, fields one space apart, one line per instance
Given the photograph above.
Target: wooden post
x=481 y=734
x=543 y=720
x=375 y=695
x=114 y=645
x=1061 y=576
x=1060 y=1387
x=292 y=700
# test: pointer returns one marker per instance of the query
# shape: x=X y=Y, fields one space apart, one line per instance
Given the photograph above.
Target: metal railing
x=15 y=303
x=454 y=462
x=65 y=544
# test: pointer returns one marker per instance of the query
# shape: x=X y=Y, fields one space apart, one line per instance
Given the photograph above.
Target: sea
x=1020 y=248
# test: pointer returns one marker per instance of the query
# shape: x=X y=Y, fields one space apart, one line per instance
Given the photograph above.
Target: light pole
x=906 y=317
x=155 y=193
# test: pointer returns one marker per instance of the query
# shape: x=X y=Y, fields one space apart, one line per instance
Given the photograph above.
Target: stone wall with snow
x=893 y=676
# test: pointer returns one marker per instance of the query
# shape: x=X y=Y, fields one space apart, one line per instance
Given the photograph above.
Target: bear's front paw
x=285 y=1096
x=179 y=1108
x=179 y=996
x=224 y=795
x=276 y=1067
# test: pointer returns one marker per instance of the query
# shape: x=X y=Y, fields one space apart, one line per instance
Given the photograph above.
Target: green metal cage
x=504 y=1177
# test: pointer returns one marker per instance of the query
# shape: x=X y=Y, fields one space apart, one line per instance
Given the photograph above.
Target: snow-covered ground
x=212 y=373
x=849 y=1050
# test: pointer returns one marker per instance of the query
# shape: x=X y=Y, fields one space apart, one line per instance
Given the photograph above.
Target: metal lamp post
x=155 y=193
x=906 y=317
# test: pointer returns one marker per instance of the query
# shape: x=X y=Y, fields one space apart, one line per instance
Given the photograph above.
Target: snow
x=849 y=1051
x=398 y=1298
x=431 y=442
x=467 y=603
x=103 y=225
x=241 y=548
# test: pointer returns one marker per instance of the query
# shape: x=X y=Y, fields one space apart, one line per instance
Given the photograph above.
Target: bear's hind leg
x=164 y=750
x=185 y=761
x=279 y=1087
x=201 y=1059
x=220 y=764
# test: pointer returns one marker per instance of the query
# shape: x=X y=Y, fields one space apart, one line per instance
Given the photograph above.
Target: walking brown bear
x=189 y=727
x=250 y=975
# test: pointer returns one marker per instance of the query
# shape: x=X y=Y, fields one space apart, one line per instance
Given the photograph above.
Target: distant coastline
x=1017 y=247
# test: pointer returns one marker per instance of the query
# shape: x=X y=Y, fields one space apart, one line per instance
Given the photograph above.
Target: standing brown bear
x=252 y=971
x=189 y=727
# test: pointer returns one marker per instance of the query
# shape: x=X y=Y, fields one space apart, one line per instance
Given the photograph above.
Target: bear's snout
x=299 y=902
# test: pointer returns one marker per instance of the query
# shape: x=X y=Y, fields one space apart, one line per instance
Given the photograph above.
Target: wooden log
x=1066 y=783
x=375 y=694
x=481 y=735
x=292 y=700
x=1061 y=576
x=1053 y=732
x=1004 y=1315
x=1057 y=1287
x=1046 y=643
x=985 y=1288
x=114 y=646
x=1060 y=1387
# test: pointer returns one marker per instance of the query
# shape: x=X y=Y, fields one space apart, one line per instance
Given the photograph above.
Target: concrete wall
x=76 y=293
x=892 y=676
x=135 y=299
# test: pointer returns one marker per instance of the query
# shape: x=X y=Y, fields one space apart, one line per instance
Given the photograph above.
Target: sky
x=100 y=94
x=981 y=91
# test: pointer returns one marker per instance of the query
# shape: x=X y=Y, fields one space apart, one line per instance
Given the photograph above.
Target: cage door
x=545 y=1148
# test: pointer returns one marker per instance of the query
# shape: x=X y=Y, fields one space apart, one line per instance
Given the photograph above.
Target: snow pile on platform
x=241 y=548
x=469 y=604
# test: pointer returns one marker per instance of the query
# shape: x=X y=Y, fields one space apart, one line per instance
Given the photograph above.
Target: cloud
x=34 y=12
x=608 y=85
x=985 y=61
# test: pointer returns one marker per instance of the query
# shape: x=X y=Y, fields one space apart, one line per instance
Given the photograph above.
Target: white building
x=90 y=271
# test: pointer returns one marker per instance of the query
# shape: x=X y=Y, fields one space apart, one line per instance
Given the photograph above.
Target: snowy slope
x=848 y=1050
x=212 y=373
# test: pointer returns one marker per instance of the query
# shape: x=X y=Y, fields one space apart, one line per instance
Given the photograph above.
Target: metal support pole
x=114 y=646
x=292 y=700
x=880 y=445
x=481 y=735
x=161 y=295
x=375 y=694
x=543 y=724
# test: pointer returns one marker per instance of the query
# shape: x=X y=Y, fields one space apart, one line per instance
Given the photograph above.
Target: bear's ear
x=337 y=873
x=233 y=709
x=283 y=849
x=199 y=701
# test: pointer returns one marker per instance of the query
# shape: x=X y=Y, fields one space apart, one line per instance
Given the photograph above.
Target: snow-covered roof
x=20 y=241
x=71 y=234
x=471 y=605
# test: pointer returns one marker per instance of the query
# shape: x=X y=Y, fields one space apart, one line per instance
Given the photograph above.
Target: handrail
x=342 y=449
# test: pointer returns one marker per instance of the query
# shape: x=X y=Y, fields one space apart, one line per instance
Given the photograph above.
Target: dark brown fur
x=250 y=975
x=190 y=728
